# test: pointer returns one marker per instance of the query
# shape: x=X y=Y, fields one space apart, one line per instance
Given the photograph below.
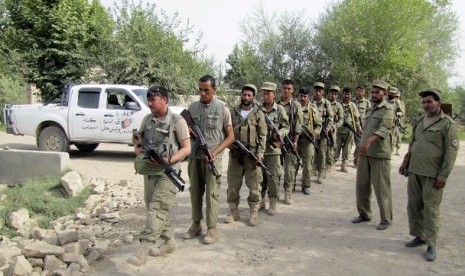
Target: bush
x=45 y=199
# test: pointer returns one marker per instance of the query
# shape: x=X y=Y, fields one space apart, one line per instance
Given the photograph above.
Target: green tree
x=55 y=39
x=149 y=47
x=408 y=43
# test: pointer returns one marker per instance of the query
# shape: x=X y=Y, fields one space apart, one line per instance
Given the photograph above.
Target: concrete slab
x=16 y=166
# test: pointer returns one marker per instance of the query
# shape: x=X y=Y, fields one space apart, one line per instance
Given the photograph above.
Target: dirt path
x=312 y=236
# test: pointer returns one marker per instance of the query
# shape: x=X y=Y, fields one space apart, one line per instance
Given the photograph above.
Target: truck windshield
x=142 y=95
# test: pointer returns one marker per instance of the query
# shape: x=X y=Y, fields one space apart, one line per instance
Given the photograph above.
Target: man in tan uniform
x=214 y=120
x=168 y=133
x=399 y=112
x=374 y=159
x=338 y=112
x=250 y=129
x=428 y=163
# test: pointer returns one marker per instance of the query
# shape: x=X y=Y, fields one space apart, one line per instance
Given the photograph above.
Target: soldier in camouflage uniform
x=428 y=163
x=294 y=113
x=278 y=118
x=327 y=117
x=338 y=112
x=311 y=126
x=345 y=135
x=250 y=129
x=169 y=134
x=374 y=159
x=399 y=112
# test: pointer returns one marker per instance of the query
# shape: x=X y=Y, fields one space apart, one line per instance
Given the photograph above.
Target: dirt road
x=313 y=236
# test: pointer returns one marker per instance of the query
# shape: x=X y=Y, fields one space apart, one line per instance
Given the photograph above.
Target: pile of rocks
x=73 y=242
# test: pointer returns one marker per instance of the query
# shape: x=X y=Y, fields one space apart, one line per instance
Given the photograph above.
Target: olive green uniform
x=212 y=120
x=399 y=112
x=374 y=169
x=165 y=135
x=327 y=116
x=433 y=151
x=291 y=166
x=363 y=105
x=279 y=118
x=312 y=123
x=345 y=136
x=338 y=112
x=250 y=131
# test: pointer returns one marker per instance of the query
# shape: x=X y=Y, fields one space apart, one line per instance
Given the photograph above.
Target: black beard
x=246 y=102
x=390 y=97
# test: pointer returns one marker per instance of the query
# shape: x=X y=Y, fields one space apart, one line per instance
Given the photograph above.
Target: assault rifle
x=327 y=134
x=278 y=142
x=289 y=147
x=397 y=122
x=357 y=136
x=201 y=140
x=173 y=174
x=251 y=156
x=306 y=133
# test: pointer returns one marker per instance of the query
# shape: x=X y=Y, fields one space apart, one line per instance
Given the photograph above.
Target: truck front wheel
x=53 y=138
x=86 y=147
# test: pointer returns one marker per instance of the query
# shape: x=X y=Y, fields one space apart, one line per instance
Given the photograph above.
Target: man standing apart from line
x=311 y=126
x=338 y=112
x=279 y=120
x=327 y=117
x=294 y=114
x=429 y=161
x=345 y=136
x=374 y=159
x=363 y=104
x=214 y=120
x=250 y=129
x=169 y=133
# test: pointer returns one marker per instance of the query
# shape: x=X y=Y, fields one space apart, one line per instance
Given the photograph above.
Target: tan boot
x=253 y=220
x=272 y=209
x=194 y=230
x=211 y=236
x=168 y=246
x=140 y=258
x=344 y=166
x=262 y=203
x=288 y=198
x=233 y=214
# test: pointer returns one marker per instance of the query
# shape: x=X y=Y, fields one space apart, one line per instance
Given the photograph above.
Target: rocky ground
x=312 y=236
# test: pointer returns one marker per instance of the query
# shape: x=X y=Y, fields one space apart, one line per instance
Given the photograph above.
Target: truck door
x=119 y=119
x=85 y=115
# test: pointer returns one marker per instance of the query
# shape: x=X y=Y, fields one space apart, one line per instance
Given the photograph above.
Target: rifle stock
x=201 y=140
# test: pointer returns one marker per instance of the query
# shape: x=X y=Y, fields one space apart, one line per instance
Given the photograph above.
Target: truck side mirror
x=132 y=106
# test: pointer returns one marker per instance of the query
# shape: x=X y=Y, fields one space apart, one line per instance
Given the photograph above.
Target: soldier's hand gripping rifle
x=251 y=156
x=173 y=174
x=278 y=142
x=325 y=133
x=357 y=136
x=306 y=133
x=290 y=147
x=201 y=140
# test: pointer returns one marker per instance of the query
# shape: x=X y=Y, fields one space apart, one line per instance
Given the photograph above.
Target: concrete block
x=18 y=166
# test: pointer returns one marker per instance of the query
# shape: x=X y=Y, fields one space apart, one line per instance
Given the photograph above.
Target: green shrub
x=45 y=199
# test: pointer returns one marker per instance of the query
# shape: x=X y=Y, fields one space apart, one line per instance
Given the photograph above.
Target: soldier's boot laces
x=211 y=236
x=253 y=220
x=140 y=258
x=272 y=209
x=169 y=246
x=194 y=230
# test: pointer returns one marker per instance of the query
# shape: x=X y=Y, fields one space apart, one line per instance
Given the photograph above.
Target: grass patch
x=2 y=127
x=45 y=199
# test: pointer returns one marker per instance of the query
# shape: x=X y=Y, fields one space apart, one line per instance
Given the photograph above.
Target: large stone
x=74 y=258
x=40 y=249
x=20 y=266
x=19 y=219
x=101 y=245
x=73 y=247
x=51 y=263
x=7 y=253
x=36 y=262
x=67 y=236
x=72 y=182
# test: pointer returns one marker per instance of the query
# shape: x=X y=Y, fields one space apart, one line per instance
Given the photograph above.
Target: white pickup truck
x=81 y=114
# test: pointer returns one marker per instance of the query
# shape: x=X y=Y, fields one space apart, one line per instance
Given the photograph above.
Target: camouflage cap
x=380 y=84
x=430 y=91
x=270 y=86
x=334 y=87
x=319 y=84
x=251 y=87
